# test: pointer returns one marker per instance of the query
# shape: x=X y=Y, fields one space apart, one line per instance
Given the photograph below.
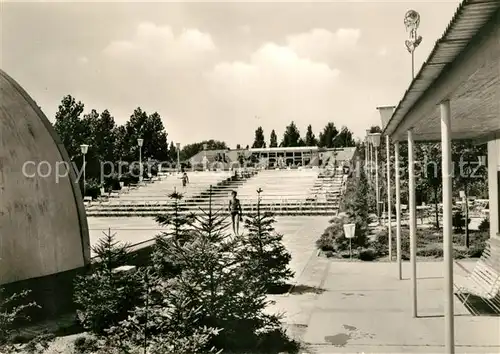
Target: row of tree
x=470 y=173
x=330 y=137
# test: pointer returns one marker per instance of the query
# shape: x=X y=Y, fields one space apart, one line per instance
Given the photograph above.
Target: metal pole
x=398 y=210
x=447 y=227
x=413 y=65
x=371 y=162
x=389 y=195
x=413 y=221
x=366 y=156
x=140 y=164
x=84 y=187
x=350 y=249
x=377 y=192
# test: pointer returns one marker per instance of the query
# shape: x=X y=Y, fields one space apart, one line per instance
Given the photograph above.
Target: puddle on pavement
x=338 y=340
x=350 y=328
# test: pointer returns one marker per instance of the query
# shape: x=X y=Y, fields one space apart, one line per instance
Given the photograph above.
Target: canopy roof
x=464 y=67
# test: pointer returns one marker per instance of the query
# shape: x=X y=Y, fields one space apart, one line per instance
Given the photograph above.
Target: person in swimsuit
x=236 y=212
x=185 y=179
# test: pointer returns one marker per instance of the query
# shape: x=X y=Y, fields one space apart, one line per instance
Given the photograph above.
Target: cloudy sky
x=219 y=70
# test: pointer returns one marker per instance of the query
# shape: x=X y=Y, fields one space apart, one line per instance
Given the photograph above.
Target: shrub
x=112 y=183
x=333 y=238
x=85 y=345
x=367 y=254
x=458 y=221
x=476 y=251
x=435 y=251
x=92 y=188
x=39 y=344
x=13 y=308
x=104 y=297
x=485 y=224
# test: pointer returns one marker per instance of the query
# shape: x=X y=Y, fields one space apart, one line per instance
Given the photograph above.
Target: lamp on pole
x=139 y=143
x=385 y=116
x=349 y=231
x=84 y=148
x=376 y=144
x=412 y=22
x=178 y=145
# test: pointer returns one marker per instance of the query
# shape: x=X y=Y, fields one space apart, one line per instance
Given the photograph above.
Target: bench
x=484 y=280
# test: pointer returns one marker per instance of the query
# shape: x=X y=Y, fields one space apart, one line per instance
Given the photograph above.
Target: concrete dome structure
x=43 y=227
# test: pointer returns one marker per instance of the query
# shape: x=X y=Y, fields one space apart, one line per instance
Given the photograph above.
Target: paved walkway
x=358 y=307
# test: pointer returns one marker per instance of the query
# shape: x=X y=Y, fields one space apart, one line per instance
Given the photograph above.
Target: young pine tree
x=165 y=322
x=105 y=296
x=178 y=232
x=213 y=282
x=263 y=254
x=357 y=207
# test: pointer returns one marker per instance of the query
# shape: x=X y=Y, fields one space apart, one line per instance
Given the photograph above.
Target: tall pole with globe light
x=84 y=148
x=412 y=22
x=139 y=143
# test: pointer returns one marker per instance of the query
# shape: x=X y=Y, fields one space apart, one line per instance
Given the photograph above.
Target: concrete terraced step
x=153 y=214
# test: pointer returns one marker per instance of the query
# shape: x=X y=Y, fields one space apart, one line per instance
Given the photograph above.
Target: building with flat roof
x=278 y=156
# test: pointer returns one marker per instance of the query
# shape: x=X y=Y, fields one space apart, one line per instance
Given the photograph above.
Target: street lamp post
x=139 y=143
x=84 y=148
x=368 y=155
x=376 y=144
x=412 y=22
x=385 y=116
x=178 y=157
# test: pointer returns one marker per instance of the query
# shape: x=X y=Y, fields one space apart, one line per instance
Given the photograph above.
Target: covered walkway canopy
x=455 y=95
x=463 y=67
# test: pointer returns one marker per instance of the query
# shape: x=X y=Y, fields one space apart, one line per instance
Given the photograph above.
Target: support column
x=413 y=220
x=398 y=210
x=389 y=196
x=447 y=227
x=494 y=184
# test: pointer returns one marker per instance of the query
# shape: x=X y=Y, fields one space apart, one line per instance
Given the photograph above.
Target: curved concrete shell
x=43 y=227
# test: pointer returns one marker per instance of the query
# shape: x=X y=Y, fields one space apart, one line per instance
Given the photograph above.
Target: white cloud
x=275 y=83
x=160 y=44
x=321 y=44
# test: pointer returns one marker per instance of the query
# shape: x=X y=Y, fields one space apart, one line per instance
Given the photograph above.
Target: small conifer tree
x=212 y=281
x=178 y=232
x=165 y=322
x=357 y=207
x=263 y=254
x=104 y=296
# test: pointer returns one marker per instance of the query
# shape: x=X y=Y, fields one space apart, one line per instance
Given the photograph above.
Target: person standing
x=185 y=180
x=236 y=212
